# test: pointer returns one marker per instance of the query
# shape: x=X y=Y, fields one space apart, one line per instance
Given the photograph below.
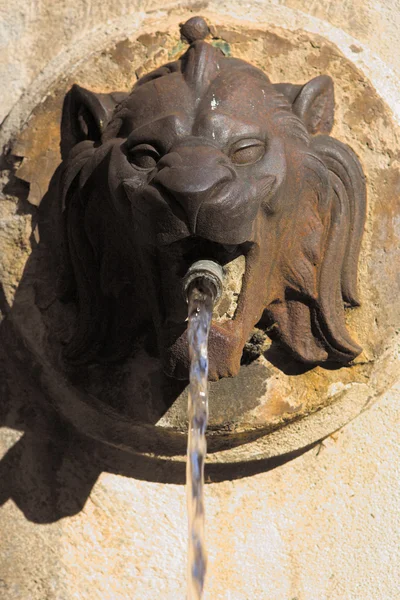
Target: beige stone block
x=79 y=521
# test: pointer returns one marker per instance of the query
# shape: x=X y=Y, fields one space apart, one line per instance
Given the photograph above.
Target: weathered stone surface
x=15 y=232
x=80 y=521
x=289 y=390
x=290 y=532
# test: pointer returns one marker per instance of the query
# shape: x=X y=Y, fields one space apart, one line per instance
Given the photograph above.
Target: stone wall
x=79 y=522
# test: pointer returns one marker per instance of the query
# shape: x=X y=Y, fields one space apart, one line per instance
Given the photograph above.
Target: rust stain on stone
x=123 y=54
x=276 y=46
x=231 y=36
x=366 y=108
x=38 y=145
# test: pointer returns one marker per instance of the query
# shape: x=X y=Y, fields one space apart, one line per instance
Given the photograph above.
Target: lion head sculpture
x=206 y=158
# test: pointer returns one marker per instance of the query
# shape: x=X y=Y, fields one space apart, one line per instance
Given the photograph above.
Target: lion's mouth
x=231 y=314
x=175 y=260
x=226 y=307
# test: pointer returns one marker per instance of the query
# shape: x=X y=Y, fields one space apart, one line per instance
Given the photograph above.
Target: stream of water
x=200 y=311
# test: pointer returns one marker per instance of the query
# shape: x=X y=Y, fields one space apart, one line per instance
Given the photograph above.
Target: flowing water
x=200 y=311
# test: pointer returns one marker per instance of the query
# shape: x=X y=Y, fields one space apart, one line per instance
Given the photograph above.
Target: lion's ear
x=85 y=115
x=313 y=103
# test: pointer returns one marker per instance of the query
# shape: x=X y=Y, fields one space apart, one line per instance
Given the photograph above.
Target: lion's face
x=207 y=159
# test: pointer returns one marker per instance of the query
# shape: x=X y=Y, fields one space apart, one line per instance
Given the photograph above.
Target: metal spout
x=204 y=273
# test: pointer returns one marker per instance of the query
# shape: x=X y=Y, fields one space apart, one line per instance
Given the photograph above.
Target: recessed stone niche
x=275 y=405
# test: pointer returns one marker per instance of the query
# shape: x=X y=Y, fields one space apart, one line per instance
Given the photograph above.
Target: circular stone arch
x=273 y=406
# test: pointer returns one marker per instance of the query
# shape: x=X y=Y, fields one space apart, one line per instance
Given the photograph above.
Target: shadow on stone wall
x=50 y=479
x=50 y=472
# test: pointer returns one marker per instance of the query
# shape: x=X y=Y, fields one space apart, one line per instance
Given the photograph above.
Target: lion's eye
x=247 y=152
x=143 y=156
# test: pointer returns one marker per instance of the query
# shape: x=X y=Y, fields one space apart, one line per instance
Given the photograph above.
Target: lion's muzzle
x=198 y=178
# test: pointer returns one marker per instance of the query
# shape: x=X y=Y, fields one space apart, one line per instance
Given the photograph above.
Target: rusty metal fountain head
x=207 y=159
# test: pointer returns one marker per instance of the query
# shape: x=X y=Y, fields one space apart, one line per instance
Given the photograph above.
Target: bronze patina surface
x=206 y=158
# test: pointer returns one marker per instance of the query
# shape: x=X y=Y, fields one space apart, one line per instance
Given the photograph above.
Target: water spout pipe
x=204 y=273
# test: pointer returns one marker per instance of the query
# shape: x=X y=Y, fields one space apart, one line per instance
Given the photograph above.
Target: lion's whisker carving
x=206 y=158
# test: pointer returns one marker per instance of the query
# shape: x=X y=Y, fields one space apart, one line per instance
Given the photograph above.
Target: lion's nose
x=191 y=178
